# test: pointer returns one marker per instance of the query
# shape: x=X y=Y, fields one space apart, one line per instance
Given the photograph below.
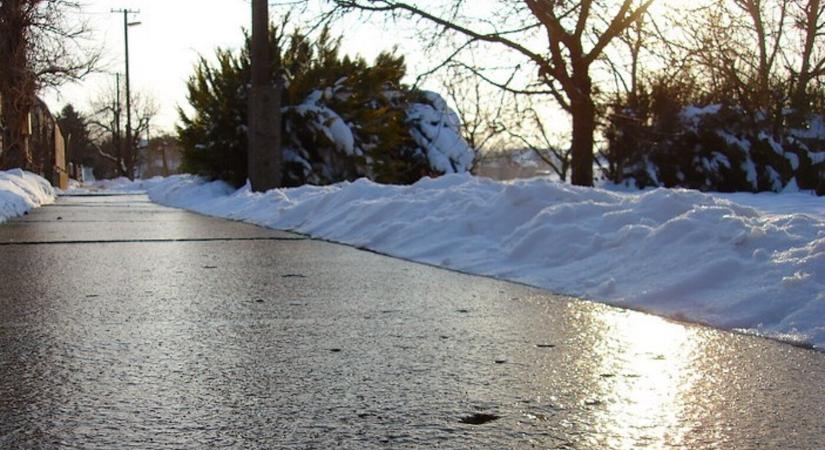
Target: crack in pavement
x=130 y=241
x=25 y=222
x=135 y=205
x=112 y=194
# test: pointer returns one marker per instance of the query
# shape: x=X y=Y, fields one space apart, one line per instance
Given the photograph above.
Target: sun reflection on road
x=645 y=377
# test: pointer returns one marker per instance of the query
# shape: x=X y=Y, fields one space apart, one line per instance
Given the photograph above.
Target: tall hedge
x=659 y=138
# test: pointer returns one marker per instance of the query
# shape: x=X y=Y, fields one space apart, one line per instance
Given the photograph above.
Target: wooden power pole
x=264 y=115
x=128 y=159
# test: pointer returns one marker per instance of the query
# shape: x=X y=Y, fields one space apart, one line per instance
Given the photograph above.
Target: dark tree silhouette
x=75 y=129
x=39 y=47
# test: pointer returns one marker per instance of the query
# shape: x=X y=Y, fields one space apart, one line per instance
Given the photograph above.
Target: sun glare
x=644 y=375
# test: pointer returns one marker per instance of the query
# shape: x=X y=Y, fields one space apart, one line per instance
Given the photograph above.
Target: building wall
x=48 y=147
x=511 y=166
x=60 y=169
x=162 y=156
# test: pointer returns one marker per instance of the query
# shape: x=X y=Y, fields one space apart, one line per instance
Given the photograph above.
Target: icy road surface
x=124 y=324
x=677 y=253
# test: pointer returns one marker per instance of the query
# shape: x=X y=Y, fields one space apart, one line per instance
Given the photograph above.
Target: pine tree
x=74 y=127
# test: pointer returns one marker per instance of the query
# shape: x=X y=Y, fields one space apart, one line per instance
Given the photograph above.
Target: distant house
x=161 y=155
x=512 y=165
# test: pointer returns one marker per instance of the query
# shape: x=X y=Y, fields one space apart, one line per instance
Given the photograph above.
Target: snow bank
x=677 y=253
x=121 y=185
x=21 y=191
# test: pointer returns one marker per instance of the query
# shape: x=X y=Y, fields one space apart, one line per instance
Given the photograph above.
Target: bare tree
x=765 y=21
x=39 y=47
x=808 y=17
x=532 y=132
x=560 y=39
x=763 y=55
x=626 y=63
x=106 y=124
x=737 y=48
x=481 y=109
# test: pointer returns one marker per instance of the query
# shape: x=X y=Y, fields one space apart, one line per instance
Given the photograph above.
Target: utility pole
x=116 y=111
x=264 y=114
x=129 y=166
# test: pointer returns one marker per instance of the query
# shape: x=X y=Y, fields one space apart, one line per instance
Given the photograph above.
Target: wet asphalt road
x=124 y=324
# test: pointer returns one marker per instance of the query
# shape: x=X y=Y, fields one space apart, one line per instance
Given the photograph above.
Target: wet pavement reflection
x=645 y=378
x=303 y=344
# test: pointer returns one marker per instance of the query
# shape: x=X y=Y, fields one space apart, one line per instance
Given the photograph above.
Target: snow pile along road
x=21 y=191
x=677 y=253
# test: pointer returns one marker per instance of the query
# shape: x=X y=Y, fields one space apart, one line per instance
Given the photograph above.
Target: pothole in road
x=479 y=419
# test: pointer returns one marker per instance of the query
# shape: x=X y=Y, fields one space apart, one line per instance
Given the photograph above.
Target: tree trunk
x=800 y=102
x=17 y=155
x=583 y=112
x=17 y=87
x=264 y=157
x=130 y=159
x=164 y=159
x=17 y=152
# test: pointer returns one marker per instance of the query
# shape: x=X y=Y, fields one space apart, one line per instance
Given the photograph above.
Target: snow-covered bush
x=343 y=118
x=436 y=130
x=659 y=142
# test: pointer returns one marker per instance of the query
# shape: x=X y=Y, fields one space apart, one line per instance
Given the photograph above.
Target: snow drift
x=20 y=191
x=678 y=253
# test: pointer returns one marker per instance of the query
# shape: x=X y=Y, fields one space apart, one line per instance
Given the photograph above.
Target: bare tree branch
x=564 y=68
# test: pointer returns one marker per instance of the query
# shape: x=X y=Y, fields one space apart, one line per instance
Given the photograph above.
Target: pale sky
x=165 y=47
x=173 y=33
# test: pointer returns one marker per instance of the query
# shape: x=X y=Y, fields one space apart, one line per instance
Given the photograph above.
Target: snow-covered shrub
x=436 y=130
x=716 y=147
x=343 y=118
x=319 y=146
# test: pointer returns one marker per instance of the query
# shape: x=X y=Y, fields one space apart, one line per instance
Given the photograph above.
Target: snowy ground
x=738 y=261
x=21 y=191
